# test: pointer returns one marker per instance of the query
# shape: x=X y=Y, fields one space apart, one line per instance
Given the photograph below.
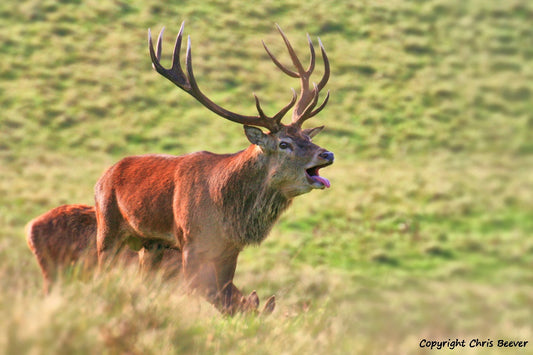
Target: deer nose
x=329 y=156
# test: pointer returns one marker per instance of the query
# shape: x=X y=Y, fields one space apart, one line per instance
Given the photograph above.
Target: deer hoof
x=250 y=304
x=252 y=300
x=269 y=305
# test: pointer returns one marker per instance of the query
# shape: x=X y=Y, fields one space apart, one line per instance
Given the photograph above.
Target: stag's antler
x=305 y=107
x=187 y=82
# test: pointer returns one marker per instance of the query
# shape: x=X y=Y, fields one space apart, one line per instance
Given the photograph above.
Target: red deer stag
x=211 y=206
x=66 y=235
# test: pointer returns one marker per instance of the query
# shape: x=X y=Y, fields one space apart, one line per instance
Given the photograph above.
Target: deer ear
x=311 y=132
x=255 y=136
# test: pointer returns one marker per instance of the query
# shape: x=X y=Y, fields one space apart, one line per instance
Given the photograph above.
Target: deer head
x=294 y=161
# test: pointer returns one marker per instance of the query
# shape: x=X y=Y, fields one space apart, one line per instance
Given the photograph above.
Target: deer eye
x=284 y=145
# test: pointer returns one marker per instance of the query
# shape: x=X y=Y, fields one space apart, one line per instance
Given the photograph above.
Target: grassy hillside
x=424 y=234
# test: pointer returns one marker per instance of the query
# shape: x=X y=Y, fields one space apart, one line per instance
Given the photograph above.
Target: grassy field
x=424 y=234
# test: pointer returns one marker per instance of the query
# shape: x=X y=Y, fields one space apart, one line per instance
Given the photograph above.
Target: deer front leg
x=199 y=273
x=229 y=298
x=214 y=280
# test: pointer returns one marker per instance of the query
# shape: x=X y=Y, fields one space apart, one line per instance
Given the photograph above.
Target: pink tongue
x=322 y=180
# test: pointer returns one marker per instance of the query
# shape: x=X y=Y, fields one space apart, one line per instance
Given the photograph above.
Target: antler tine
x=301 y=72
x=319 y=108
x=312 y=61
x=174 y=74
x=176 y=66
x=278 y=116
x=300 y=116
x=292 y=54
x=325 y=77
x=159 y=45
x=187 y=82
x=311 y=104
x=308 y=113
x=258 y=105
x=279 y=65
x=153 y=56
x=308 y=97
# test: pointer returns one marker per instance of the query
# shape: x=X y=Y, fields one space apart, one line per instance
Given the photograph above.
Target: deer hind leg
x=49 y=271
x=108 y=238
x=39 y=235
x=108 y=246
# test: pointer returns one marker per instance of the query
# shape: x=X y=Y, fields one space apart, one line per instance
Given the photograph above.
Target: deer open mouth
x=314 y=178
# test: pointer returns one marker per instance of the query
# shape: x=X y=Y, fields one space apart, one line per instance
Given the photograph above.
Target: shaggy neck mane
x=250 y=204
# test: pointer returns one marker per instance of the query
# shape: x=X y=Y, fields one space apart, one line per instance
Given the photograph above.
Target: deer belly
x=149 y=223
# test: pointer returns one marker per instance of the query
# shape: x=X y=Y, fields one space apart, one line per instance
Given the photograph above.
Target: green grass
x=425 y=233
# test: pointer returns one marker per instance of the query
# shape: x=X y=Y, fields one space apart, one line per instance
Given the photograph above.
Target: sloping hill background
x=425 y=233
